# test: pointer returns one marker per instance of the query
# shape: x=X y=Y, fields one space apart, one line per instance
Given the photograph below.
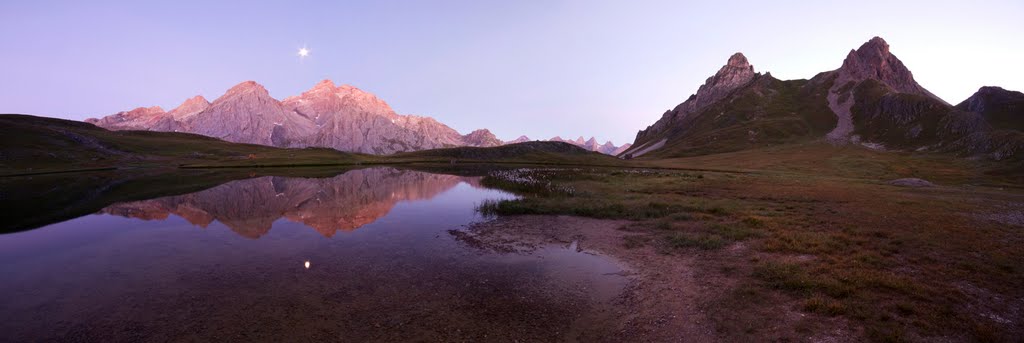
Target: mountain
x=872 y=99
x=481 y=138
x=1002 y=109
x=608 y=148
x=521 y=139
x=339 y=117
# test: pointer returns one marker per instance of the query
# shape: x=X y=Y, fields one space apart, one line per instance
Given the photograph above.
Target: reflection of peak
x=342 y=203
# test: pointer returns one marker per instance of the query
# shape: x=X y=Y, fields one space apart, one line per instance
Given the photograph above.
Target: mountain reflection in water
x=342 y=203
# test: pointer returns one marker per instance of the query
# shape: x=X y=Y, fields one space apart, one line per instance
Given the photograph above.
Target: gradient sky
x=539 y=68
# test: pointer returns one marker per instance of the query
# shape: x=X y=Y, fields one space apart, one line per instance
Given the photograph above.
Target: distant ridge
x=608 y=148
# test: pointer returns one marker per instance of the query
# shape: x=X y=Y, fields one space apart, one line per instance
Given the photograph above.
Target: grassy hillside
x=766 y=112
x=821 y=159
x=527 y=152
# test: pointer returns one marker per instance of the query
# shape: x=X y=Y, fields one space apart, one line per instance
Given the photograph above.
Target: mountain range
x=340 y=117
x=608 y=148
x=329 y=116
x=872 y=99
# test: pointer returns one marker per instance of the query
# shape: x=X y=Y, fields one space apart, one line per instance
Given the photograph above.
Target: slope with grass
x=536 y=152
x=765 y=112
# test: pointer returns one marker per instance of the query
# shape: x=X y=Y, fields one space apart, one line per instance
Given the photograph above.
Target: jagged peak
x=874 y=53
x=145 y=110
x=325 y=83
x=737 y=60
x=876 y=43
x=247 y=86
x=873 y=60
x=198 y=99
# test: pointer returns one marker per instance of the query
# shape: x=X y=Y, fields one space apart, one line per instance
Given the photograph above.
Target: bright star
x=303 y=52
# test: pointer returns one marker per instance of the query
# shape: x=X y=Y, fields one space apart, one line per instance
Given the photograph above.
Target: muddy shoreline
x=671 y=296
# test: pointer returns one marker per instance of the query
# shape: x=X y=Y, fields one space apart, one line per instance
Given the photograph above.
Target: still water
x=362 y=256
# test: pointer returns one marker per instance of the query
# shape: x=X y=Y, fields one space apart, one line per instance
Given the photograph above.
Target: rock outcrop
x=340 y=117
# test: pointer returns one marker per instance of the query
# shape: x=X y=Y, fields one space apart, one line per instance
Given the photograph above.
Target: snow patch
x=653 y=147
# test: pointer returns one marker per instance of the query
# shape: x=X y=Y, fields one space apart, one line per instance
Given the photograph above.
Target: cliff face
x=340 y=117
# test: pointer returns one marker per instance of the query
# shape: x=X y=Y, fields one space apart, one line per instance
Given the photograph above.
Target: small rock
x=911 y=182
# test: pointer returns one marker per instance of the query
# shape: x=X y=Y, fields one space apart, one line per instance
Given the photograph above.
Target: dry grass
x=833 y=241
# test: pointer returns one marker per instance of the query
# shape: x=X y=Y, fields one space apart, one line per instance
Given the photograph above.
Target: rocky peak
x=140 y=118
x=190 y=107
x=874 y=61
x=149 y=111
x=247 y=87
x=521 y=139
x=482 y=138
x=737 y=60
x=736 y=72
x=143 y=112
x=196 y=100
x=325 y=84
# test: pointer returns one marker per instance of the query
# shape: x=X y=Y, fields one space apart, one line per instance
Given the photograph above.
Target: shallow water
x=365 y=255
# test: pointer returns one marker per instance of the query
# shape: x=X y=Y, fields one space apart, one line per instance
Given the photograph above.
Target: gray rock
x=911 y=182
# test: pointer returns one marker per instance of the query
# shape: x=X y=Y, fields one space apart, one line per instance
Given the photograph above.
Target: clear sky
x=539 y=68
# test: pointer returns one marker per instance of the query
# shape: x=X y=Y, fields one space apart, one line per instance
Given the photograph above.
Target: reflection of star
x=303 y=52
